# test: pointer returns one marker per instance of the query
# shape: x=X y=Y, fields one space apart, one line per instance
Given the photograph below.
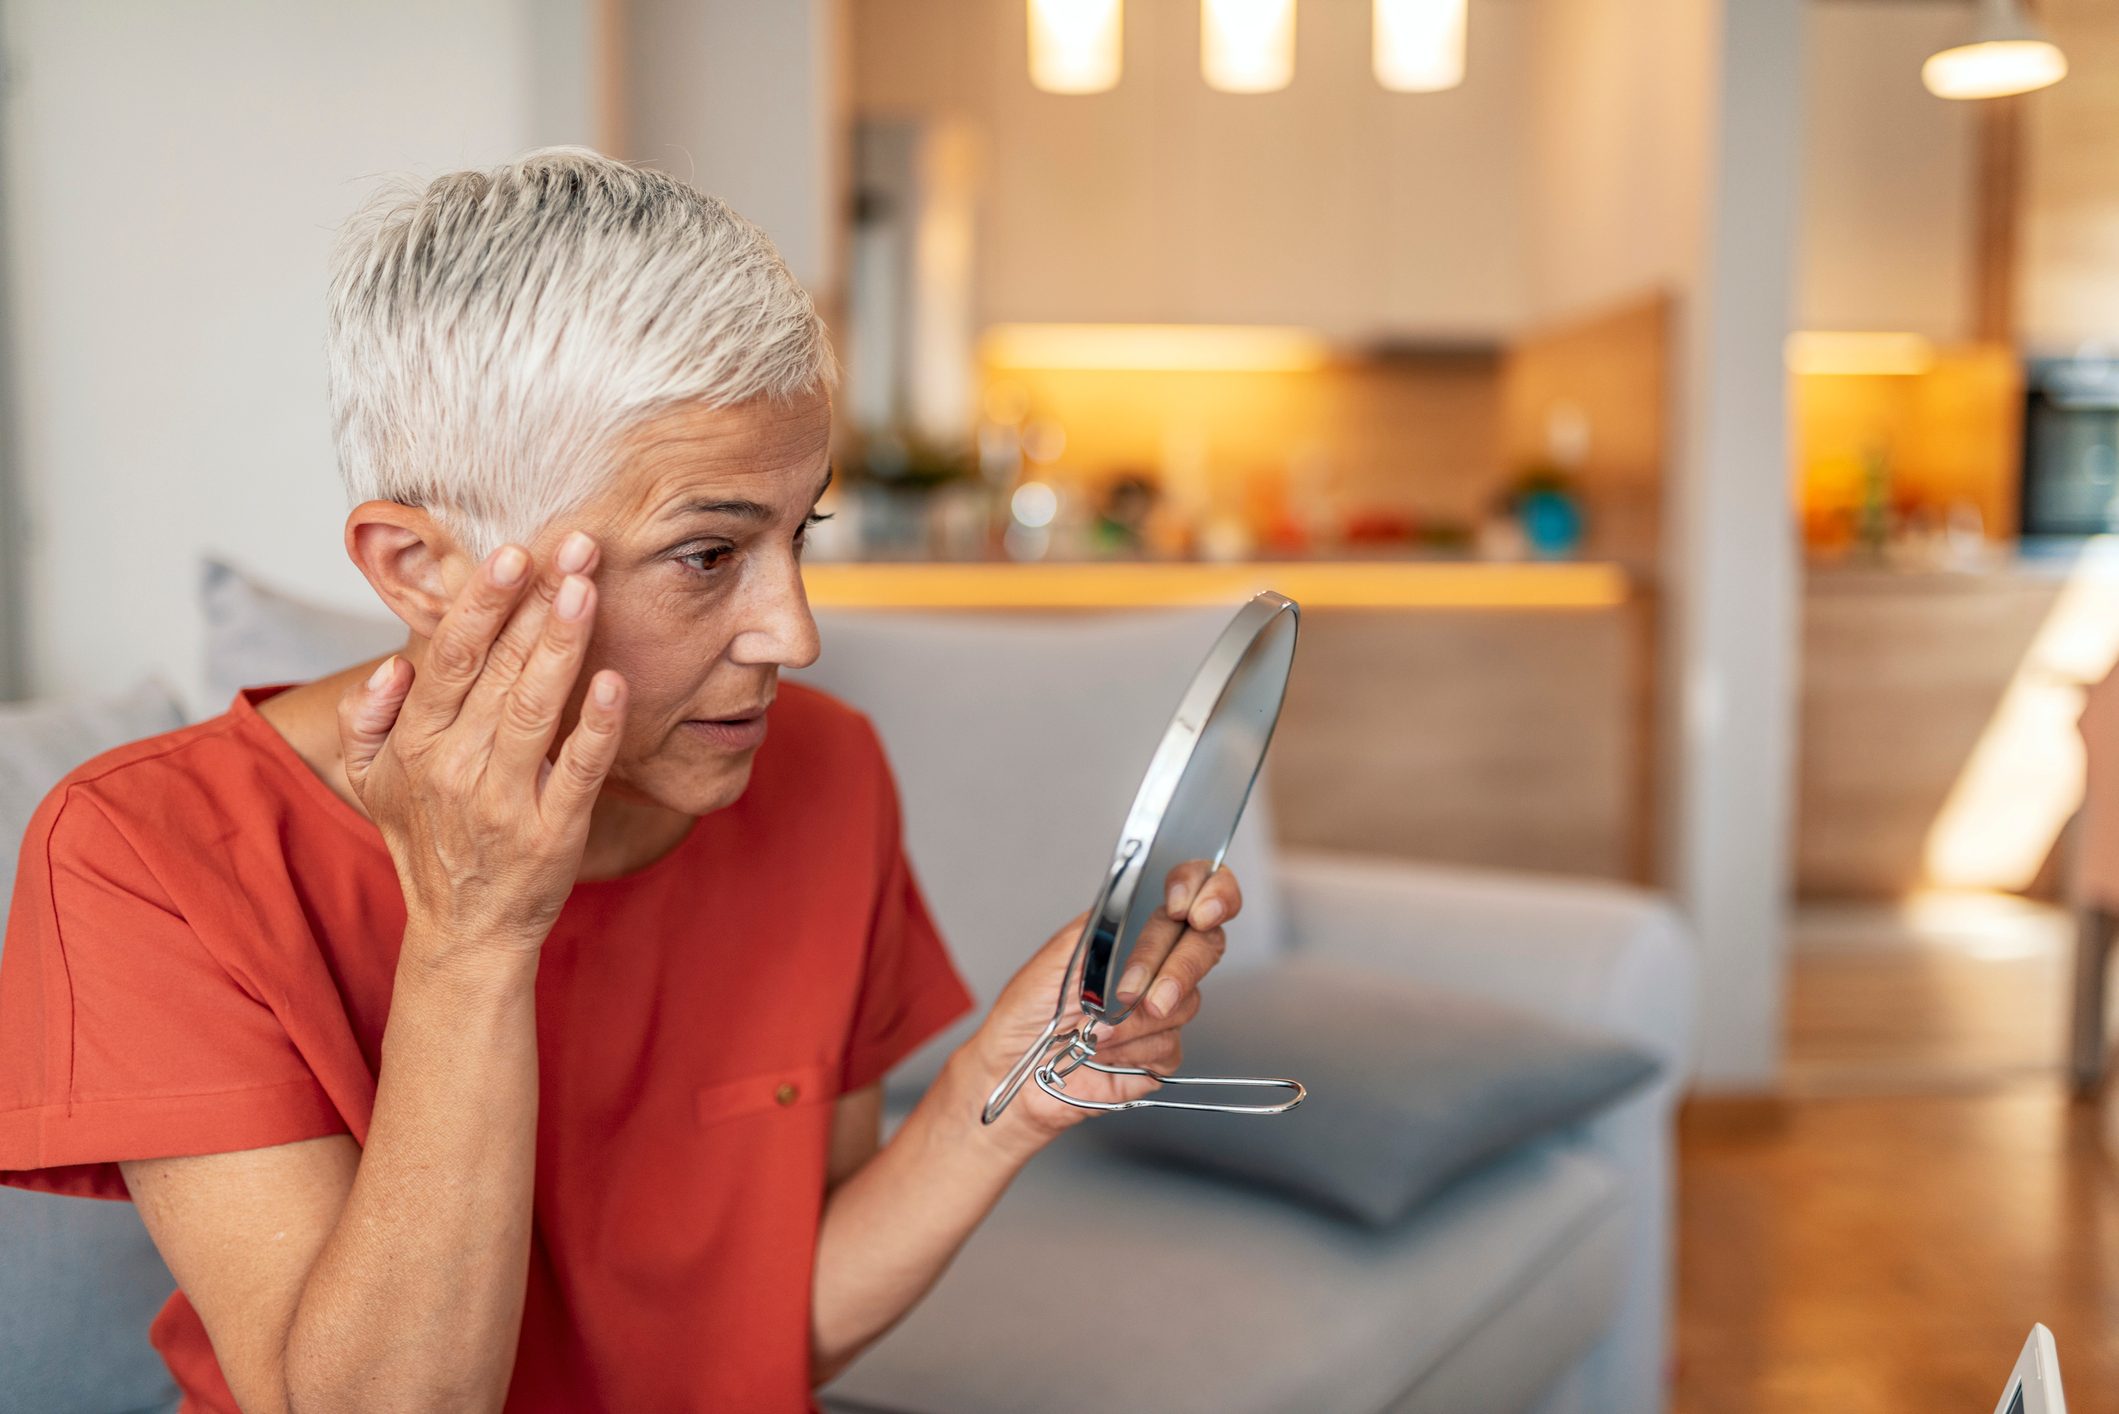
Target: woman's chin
x=689 y=787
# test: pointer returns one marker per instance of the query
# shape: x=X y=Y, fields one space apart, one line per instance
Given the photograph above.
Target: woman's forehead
x=769 y=452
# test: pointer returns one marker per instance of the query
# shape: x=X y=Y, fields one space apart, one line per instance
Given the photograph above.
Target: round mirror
x=1189 y=802
x=1190 y=799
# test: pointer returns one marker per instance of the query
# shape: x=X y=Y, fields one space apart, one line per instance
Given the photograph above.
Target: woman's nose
x=780 y=632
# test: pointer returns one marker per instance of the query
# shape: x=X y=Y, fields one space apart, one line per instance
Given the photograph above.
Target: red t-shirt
x=199 y=960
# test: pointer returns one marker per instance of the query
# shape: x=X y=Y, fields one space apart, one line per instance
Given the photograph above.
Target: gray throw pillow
x=79 y=1278
x=1409 y=1088
x=256 y=635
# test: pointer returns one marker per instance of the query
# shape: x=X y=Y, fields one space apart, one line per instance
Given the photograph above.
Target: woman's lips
x=734 y=734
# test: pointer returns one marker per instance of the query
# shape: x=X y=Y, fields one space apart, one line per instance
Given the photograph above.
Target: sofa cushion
x=79 y=1279
x=256 y=634
x=1101 y=1279
x=1019 y=741
x=1409 y=1086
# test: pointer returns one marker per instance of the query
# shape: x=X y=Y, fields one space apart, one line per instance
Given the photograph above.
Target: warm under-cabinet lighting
x=1075 y=45
x=1419 y=44
x=1860 y=353
x=1247 y=46
x=2006 y=54
x=1256 y=348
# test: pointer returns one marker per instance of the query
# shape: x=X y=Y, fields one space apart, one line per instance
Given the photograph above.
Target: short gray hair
x=492 y=334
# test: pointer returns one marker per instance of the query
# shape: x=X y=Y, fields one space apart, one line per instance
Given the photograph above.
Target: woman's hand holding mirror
x=1178 y=948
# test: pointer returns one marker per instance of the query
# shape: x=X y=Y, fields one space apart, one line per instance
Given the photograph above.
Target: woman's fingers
x=1162 y=930
x=1195 y=895
x=1192 y=959
x=1139 y=1024
x=1157 y=937
x=366 y=714
x=1203 y=896
x=1181 y=886
x=456 y=654
x=1162 y=1052
x=527 y=717
x=1214 y=903
x=572 y=781
x=516 y=645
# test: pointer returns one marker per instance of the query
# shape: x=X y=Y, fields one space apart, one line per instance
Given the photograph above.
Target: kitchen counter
x=1474 y=712
x=1351 y=584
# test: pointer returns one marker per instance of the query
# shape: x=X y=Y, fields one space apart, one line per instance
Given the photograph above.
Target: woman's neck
x=624 y=835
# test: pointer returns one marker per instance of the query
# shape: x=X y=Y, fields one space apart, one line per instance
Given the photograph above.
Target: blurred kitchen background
x=1694 y=437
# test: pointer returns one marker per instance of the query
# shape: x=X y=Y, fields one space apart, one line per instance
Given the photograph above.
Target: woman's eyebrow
x=741 y=509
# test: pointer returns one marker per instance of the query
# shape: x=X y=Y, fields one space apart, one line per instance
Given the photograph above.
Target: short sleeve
x=910 y=989
x=121 y=1035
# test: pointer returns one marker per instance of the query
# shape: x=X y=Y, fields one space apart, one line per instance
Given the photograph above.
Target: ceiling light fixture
x=1076 y=45
x=1247 y=46
x=2006 y=54
x=1419 y=45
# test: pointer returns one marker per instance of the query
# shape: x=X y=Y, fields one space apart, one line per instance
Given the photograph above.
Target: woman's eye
x=704 y=561
x=802 y=535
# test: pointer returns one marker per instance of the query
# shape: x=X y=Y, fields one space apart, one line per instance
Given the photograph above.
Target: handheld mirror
x=1189 y=802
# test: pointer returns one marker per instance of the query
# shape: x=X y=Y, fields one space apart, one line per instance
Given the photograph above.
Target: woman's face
x=699 y=589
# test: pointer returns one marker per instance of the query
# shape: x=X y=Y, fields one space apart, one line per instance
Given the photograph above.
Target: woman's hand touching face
x=453 y=762
x=1177 y=949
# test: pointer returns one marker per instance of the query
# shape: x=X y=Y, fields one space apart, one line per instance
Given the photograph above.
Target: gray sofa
x=1540 y=1283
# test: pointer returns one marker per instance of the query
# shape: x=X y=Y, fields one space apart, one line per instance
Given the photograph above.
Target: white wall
x=1619 y=118
x=1888 y=172
x=743 y=100
x=175 y=171
x=1332 y=204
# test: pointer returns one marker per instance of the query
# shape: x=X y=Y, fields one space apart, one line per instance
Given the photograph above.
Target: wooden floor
x=1883 y=1238
x=1943 y=993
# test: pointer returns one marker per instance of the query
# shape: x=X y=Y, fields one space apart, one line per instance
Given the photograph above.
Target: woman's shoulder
x=157 y=790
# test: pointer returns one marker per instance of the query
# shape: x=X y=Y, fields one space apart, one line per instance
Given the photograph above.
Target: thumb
x=366 y=714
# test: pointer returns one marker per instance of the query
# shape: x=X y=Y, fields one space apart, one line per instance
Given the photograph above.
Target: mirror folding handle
x=1081 y=1056
x=1055 y=1055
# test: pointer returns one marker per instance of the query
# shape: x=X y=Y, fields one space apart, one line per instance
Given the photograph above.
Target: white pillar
x=1731 y=558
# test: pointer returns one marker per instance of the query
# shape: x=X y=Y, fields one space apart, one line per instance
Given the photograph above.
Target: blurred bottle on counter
x=1872 y=517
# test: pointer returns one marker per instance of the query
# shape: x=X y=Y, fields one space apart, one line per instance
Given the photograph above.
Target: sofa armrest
x=1587 y=953
x=1595 y=954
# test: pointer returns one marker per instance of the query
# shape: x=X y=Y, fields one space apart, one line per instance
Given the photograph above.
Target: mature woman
x=501 y=1024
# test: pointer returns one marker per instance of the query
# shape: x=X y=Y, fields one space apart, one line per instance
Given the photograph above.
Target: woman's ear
x=414 y=562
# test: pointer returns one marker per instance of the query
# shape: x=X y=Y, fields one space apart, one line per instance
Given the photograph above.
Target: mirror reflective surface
x=1191 y=797
x=1190 y=800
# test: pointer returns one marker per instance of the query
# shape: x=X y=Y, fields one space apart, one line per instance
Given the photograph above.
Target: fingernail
x=1136 y=978
x=1209 y=914
x=606 y=692
x=384 y=671
x=1163 y=996
x=573 y=594
x=509 y=565
x=574 y=552
x=1176 y=901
